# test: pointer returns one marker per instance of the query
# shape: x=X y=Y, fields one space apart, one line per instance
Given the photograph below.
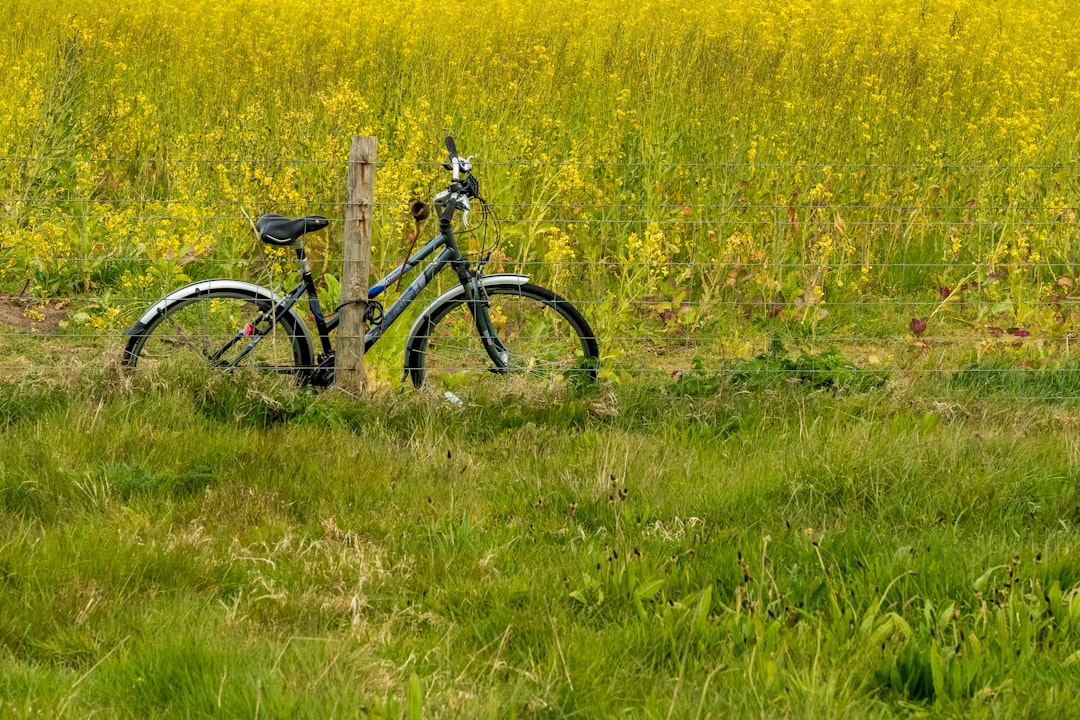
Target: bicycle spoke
x=220 y=331
x=544 y=344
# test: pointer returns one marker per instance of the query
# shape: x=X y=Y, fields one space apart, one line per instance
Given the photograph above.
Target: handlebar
x=455 y=160
x=457 y=195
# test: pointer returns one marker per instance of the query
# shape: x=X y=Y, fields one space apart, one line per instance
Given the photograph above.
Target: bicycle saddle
x=281 y=230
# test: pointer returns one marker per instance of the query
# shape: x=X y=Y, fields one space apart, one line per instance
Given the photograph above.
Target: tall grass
x=212 y=548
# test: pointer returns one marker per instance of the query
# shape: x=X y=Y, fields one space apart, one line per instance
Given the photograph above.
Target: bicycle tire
x=192 y=329
x=548 y=338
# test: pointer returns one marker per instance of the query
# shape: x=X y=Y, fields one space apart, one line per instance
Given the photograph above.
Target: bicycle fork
x=476 y=298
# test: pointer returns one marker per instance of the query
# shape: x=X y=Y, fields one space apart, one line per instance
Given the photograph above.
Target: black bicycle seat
x=281 y=230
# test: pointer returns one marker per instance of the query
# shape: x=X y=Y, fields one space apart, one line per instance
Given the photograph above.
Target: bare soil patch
x=31 y=314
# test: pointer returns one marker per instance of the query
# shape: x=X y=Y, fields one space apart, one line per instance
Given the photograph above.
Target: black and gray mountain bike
x=486 y=325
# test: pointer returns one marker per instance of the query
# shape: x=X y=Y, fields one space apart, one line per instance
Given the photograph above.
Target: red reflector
x=249 y=330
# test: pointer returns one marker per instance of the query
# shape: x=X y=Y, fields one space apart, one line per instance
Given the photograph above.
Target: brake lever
x=464 y=202
x=461 y=201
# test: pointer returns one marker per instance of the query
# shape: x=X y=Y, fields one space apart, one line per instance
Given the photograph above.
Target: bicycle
x=511 y=327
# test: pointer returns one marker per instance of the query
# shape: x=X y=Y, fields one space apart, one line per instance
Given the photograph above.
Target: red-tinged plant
x=918 y=326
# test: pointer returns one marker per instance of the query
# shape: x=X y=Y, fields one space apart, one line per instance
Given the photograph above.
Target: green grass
x=207 y=547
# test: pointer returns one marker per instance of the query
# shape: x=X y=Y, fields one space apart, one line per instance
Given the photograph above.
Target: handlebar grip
x=451 y=146
x=449 y=210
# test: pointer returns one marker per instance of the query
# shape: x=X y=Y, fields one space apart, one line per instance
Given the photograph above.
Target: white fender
x=191 y=291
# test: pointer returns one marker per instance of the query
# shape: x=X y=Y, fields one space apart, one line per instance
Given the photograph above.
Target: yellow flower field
x=834 y=167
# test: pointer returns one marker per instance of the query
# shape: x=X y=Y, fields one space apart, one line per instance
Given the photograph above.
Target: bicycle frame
x=448 y=254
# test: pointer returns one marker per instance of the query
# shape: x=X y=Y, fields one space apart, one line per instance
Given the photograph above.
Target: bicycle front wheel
x=221 y=328
x=548 y=339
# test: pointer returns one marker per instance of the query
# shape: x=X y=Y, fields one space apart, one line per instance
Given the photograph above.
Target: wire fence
x=810 y=271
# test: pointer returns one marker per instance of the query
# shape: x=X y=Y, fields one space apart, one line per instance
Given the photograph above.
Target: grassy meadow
x=829 y=470
x=206 y=547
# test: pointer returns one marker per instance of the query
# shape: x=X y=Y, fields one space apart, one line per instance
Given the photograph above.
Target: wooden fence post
x=349 y=358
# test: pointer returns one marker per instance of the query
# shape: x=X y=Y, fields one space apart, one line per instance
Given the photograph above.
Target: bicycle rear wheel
x=222 y=328
x=549 y=342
